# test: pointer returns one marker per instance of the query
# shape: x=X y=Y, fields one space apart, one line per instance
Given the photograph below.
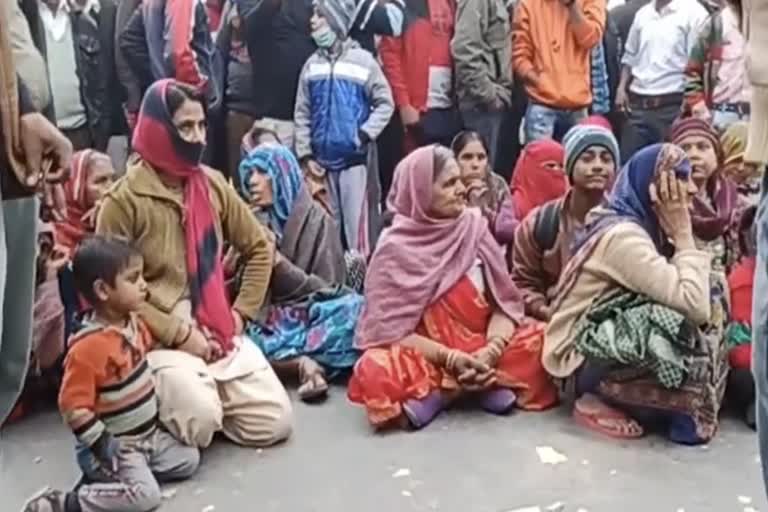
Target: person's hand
x=622 y=100
x=488 y=355
x=409 y=116
x=106 y=450
x=313 y=168
x=196 y=344
x=130 y=117
x=239 y=323
x=498 y=105
x=58 y=258
x=670 y=199
x=47 y=152
x=542 y=312
x=471 y=373
x=700 y=111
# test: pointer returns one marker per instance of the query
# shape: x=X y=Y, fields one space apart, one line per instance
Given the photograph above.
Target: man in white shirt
x=650 y=91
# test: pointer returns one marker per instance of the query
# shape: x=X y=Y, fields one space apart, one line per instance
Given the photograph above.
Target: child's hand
x=106 y=450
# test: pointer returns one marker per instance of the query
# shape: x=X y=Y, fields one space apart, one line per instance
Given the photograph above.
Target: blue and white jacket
x=343 y=102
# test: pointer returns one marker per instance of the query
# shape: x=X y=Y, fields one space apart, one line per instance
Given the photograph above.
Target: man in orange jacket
x=553 y=40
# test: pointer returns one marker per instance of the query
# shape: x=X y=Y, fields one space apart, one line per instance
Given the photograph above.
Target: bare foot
x=313 y=385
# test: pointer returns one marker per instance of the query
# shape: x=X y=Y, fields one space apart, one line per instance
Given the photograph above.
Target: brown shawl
x=312 y=257
x=9 y=97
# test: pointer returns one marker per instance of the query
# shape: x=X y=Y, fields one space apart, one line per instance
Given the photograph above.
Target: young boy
x=342 y=105
x=108 y=397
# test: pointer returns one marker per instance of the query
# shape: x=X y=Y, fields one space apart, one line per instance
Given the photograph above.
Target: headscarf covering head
x=533 y=183
x=284 y=172
x=734 y=142
x=693 y=126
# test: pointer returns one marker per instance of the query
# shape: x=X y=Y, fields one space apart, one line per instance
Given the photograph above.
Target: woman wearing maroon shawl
x=178 y=214
x=442 y=317
x=538 y=176
x=91 y=175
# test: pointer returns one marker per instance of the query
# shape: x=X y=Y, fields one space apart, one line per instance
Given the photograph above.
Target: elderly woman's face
x=101 y=175
x=260 y=187
x=448 y=192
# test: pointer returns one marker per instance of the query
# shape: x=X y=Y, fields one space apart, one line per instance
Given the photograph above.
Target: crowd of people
x=513 y=205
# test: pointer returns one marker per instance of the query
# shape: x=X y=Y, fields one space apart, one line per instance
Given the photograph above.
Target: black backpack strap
x=547 y=225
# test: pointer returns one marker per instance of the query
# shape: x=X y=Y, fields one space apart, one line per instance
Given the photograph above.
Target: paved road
x=466 y=461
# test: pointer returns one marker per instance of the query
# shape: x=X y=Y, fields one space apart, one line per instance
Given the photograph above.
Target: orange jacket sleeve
x=77 y=398
x=522 y=44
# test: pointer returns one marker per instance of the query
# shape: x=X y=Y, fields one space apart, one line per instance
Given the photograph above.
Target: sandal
x=313 y=386
x=46 y=500
x=592 y=413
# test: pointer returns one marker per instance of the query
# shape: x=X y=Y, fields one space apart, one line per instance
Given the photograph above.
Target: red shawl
x=157 y=141
x=79 y=218
x=532 y=183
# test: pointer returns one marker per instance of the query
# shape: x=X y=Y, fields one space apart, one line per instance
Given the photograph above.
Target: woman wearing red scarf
x=538 y=176
x=179 y=213
x=442 y=317
x=91 y=175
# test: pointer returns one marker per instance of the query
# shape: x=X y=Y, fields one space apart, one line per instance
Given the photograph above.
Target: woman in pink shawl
x=442 y=316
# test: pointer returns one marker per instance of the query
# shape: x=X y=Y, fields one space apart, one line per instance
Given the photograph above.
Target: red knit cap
x=687 y=127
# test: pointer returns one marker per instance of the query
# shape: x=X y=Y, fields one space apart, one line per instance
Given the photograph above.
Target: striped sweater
x=107 y=384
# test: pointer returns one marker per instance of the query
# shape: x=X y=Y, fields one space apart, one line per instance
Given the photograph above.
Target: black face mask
x=192 y=152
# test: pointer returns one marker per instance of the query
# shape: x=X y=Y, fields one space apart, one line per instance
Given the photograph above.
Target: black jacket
x=93 y=34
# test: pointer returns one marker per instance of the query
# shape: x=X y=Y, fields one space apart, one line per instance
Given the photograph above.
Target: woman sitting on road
x=310 y=323
x=545 y=238
x=178 y=213
x=626 y=314
x=442 y=316
x=485 y=189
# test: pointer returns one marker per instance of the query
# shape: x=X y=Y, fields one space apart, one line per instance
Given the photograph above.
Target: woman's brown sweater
x=149 y=213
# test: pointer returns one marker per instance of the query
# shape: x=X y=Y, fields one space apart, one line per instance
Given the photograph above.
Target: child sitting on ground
x=342 y=105
x=108 y=397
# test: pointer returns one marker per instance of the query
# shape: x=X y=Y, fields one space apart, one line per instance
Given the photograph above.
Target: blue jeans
x=760 y=327
x=722 y=119
x=542 y=122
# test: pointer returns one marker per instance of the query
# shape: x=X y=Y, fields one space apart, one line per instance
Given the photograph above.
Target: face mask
x=324 y=37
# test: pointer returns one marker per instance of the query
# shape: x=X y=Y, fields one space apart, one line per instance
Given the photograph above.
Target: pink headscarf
x=420 y=258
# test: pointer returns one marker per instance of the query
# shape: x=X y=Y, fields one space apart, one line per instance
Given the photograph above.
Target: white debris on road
x=400 y=473
x=548 y=455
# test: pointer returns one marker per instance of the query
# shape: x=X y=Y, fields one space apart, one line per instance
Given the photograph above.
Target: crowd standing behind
x=258 y=235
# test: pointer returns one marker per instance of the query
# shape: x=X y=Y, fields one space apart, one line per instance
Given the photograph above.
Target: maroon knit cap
x=687 y=127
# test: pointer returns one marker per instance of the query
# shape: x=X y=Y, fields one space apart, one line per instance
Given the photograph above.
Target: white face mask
x=324 y=37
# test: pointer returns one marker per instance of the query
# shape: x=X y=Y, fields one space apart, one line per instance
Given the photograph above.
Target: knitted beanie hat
x=339 y=13
x=583 y=136
x=692 y=126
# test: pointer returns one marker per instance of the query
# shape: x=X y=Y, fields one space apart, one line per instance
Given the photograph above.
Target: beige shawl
x=754 y=26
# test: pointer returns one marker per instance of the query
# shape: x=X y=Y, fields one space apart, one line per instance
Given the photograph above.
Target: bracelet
x=450 y=360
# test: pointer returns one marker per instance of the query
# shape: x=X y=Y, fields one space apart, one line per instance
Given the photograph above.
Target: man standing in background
x=32 y=152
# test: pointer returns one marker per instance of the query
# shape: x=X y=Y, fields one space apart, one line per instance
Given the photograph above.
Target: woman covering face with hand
x=627 y=311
